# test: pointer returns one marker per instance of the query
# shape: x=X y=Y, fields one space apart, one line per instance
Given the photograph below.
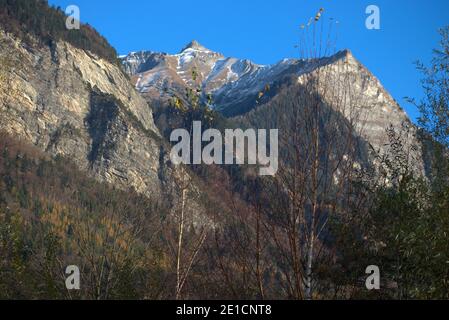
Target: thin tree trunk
x=310 y=247
x=180 y=239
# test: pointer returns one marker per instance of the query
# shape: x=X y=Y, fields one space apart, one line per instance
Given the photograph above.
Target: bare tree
x=186 y=254
x=187 y=246
x=321 y=120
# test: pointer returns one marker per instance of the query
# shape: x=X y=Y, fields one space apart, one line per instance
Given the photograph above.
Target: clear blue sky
x=266 y=31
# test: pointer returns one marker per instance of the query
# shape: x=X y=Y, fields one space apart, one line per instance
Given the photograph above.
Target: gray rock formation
x=69 y=102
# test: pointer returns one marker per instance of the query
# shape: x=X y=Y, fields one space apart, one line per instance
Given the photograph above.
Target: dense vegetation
x=406 y=226
x=25 y=17
x=52 y=215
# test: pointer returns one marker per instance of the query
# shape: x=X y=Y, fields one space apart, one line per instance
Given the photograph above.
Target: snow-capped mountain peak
x=194 y=46
x=234 y=84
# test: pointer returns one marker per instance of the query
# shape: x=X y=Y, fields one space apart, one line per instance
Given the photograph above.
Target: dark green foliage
x=36 y=17
x=435 y=107
x=404 y=226
x=414 y=224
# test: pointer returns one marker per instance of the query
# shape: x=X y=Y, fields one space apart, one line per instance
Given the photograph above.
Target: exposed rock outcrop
x=69 y=102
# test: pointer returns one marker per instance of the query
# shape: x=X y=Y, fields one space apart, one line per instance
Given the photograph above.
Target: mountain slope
x=23 y=18
x=52 y=215
x=69 y=102
x=351 y=90
x=231 y=81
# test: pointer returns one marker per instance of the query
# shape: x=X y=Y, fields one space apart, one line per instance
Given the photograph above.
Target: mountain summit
x=194 y=45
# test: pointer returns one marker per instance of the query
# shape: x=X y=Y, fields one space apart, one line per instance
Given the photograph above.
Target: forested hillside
x=52 y=215
x=24 y=17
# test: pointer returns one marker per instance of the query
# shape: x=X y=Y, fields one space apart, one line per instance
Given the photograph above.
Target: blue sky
x=266 y=31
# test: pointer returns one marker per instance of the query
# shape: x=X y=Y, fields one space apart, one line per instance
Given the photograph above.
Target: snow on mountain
x=159 y=75
x=234 y=83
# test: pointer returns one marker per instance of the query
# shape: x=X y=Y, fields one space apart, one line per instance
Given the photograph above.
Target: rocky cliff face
x=69 y=102
x=353 y=91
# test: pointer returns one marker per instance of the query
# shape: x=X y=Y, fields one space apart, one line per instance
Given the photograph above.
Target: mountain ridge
x=239 y=86
x=154 y=74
